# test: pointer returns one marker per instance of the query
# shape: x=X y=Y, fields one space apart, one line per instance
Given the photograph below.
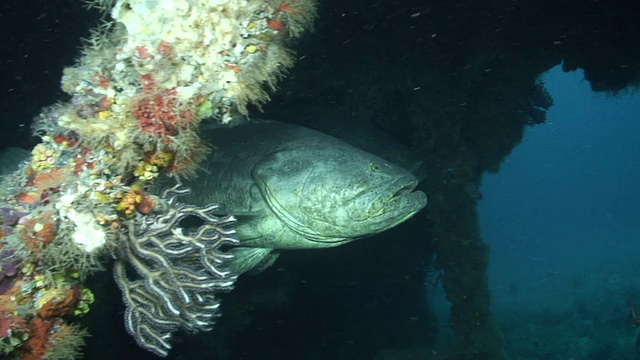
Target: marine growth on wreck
x=146 y=78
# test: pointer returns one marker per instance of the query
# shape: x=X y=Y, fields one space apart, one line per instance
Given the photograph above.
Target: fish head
x=335 y=194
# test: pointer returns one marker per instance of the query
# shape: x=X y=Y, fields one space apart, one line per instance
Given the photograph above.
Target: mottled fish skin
x=295 y=188
x=357 y=131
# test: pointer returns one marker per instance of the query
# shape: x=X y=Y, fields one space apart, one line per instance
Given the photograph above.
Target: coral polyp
x=162 y=115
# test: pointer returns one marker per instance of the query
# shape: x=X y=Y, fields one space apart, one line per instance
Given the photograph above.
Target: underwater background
x=563 y=220
x=522 y=115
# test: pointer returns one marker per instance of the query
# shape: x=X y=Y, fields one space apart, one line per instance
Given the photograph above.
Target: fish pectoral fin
x=248 y=214
x=264 y=264
x=252 y=260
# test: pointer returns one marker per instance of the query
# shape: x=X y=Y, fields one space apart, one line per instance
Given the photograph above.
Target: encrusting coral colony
x=140 y=89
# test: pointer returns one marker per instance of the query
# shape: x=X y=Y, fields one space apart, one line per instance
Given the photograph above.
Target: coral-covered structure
x=143 y=84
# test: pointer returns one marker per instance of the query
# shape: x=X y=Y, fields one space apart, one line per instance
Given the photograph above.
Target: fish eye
x=375 y=167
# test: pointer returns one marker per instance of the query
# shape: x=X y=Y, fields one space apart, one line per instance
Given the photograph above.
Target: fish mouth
x=384 y=203
x=399 y=202
x=407 y=194
x=412 y=202
x=406 y=187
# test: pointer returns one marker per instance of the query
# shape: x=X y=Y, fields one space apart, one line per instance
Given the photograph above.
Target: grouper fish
x=295 y=188
x=292 y=188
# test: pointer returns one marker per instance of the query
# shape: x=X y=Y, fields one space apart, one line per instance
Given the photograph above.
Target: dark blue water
x=563 y=220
